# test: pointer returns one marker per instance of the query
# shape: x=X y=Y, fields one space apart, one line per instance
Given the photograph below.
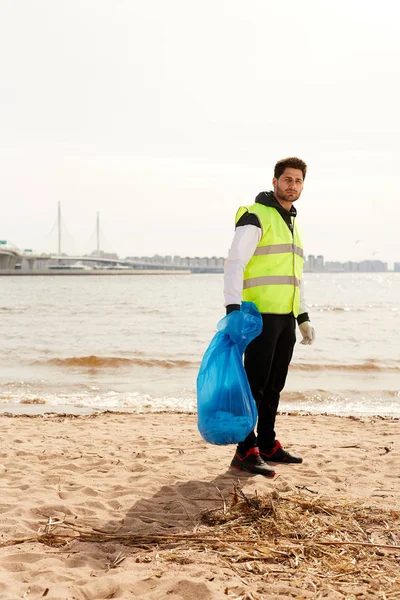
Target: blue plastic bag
x=225 y=406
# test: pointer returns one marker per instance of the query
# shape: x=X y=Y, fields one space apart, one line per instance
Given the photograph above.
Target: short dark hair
x=291 y=163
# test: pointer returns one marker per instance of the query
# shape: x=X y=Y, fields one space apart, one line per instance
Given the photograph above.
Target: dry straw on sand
x=324 y=544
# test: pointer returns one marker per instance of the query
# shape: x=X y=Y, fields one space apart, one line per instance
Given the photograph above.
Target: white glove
x=307 y=332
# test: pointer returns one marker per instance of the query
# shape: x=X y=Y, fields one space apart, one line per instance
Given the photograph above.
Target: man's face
x=289 y=185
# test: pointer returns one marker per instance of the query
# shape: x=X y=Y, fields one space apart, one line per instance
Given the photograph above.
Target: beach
x=129 y=476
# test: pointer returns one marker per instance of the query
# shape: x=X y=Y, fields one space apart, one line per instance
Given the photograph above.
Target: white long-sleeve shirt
x=244 y=243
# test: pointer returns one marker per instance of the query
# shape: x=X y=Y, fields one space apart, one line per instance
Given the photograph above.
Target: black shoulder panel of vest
x=248 y=219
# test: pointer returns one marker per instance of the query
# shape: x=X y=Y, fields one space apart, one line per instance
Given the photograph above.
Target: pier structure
x=9 y=255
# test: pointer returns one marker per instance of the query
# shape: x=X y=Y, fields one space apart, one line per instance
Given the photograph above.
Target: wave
x=46 y=397
x=367 y=366
x=32 y=401
x=321 y=395
x=102 y=362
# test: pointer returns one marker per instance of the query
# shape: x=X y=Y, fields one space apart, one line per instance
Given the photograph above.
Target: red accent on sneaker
x=274 y=449
x=254 y=451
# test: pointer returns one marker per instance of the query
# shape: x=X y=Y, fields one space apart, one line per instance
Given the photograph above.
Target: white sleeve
x=303 y=304
x=244 y=243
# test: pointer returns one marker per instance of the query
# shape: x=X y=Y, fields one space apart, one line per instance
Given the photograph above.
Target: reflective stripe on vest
x=272 y=276
x=271 y=280
x=278 y=248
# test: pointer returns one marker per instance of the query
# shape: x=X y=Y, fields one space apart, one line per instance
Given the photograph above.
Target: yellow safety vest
x=272 y=276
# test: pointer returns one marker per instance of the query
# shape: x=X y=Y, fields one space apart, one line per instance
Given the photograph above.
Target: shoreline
x=64 y=411
x=33 y=409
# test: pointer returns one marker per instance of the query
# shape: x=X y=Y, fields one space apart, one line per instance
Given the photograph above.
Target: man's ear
x=274 y=181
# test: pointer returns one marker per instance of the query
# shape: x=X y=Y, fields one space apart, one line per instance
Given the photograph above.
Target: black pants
x=266 y=362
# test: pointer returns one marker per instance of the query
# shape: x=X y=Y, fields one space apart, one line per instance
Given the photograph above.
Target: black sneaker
x=279 y=455
x=252 y=462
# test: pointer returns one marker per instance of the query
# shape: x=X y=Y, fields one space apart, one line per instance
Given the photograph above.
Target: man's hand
x=307 y=332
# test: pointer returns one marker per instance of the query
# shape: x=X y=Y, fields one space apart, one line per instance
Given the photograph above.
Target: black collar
x=268 y=199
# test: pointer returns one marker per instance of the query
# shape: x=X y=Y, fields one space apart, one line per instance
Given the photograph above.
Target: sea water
x=135 y=343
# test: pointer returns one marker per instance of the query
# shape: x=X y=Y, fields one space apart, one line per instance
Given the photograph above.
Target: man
x=265 y=266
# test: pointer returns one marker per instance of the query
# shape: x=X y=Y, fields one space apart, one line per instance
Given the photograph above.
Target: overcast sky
x=166 y=116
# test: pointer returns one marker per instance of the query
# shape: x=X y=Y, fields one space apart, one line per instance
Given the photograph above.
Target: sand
x=153 y=473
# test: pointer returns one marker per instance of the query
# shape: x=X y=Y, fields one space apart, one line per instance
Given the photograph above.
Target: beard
x=285 y=196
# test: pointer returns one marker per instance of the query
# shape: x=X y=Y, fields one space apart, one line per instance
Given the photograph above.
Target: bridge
x=13 y=259
x=99 y=262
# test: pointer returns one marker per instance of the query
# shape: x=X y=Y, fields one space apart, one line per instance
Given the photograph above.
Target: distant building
x=198 y=264
x=333 y=267
x=374 y=266
x=320 y=263
x=101 y=254
x=317 y=265
x=351 y=267
x=215 y=264
x=309 y=263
